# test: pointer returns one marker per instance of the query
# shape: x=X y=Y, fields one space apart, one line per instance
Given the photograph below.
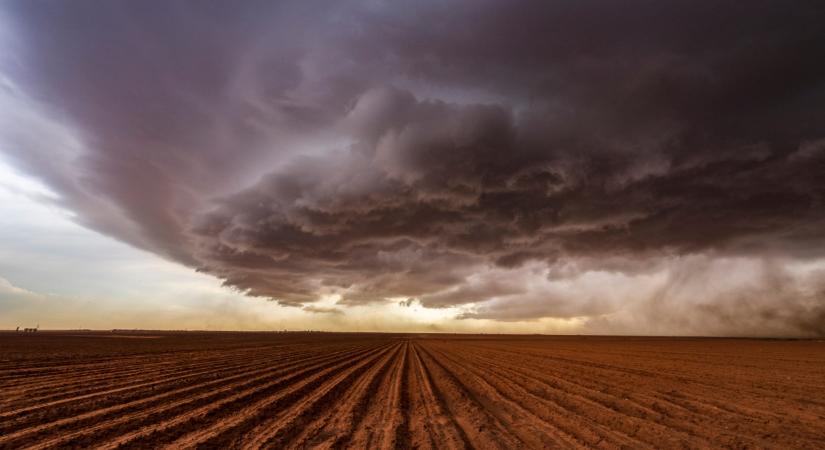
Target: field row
x=373 y=391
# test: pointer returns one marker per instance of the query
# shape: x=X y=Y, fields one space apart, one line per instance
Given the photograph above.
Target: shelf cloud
x=619 y=163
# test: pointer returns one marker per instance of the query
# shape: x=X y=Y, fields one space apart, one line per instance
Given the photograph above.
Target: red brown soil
x=299 y=390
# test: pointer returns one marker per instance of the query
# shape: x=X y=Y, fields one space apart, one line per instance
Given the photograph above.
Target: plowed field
x=296 y=390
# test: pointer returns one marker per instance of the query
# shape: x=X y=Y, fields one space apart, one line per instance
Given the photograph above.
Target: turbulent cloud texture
x=519 y=159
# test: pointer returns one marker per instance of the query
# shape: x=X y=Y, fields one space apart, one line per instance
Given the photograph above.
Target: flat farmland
x=324 y=390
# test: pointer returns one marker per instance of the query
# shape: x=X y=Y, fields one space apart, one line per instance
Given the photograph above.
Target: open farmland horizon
x=159 y=389
x=458 y=224
x=125 y=332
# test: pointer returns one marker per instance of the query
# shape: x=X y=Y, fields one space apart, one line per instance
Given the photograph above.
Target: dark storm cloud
x=424 y=150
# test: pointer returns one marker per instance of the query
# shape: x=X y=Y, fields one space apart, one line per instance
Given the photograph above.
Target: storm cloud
x=522 y=160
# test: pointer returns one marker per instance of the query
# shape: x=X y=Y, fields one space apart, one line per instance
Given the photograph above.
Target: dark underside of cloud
x=450 y=152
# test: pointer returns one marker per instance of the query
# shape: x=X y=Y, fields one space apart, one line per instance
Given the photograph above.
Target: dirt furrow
x=90 y=403
x=329 y=420
x=619 y=418
x=606 y=371
x=225 y=416
x=141 y=383
x=479 y=418
x=505 y=406
x=165 y=419
x=38 y=389
x=568 y=421
x=154 y=380
x=629 y=416
x=323 y=391
x=683 y=415
x=281 y=423
x=385 y=424
x=111 y=368
x=145 y=403
x=432 y=425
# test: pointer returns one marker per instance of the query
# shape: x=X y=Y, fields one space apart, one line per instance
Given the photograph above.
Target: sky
x=580 y=167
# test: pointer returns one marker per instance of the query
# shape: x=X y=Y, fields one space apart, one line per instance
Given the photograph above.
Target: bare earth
x=299 y=390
